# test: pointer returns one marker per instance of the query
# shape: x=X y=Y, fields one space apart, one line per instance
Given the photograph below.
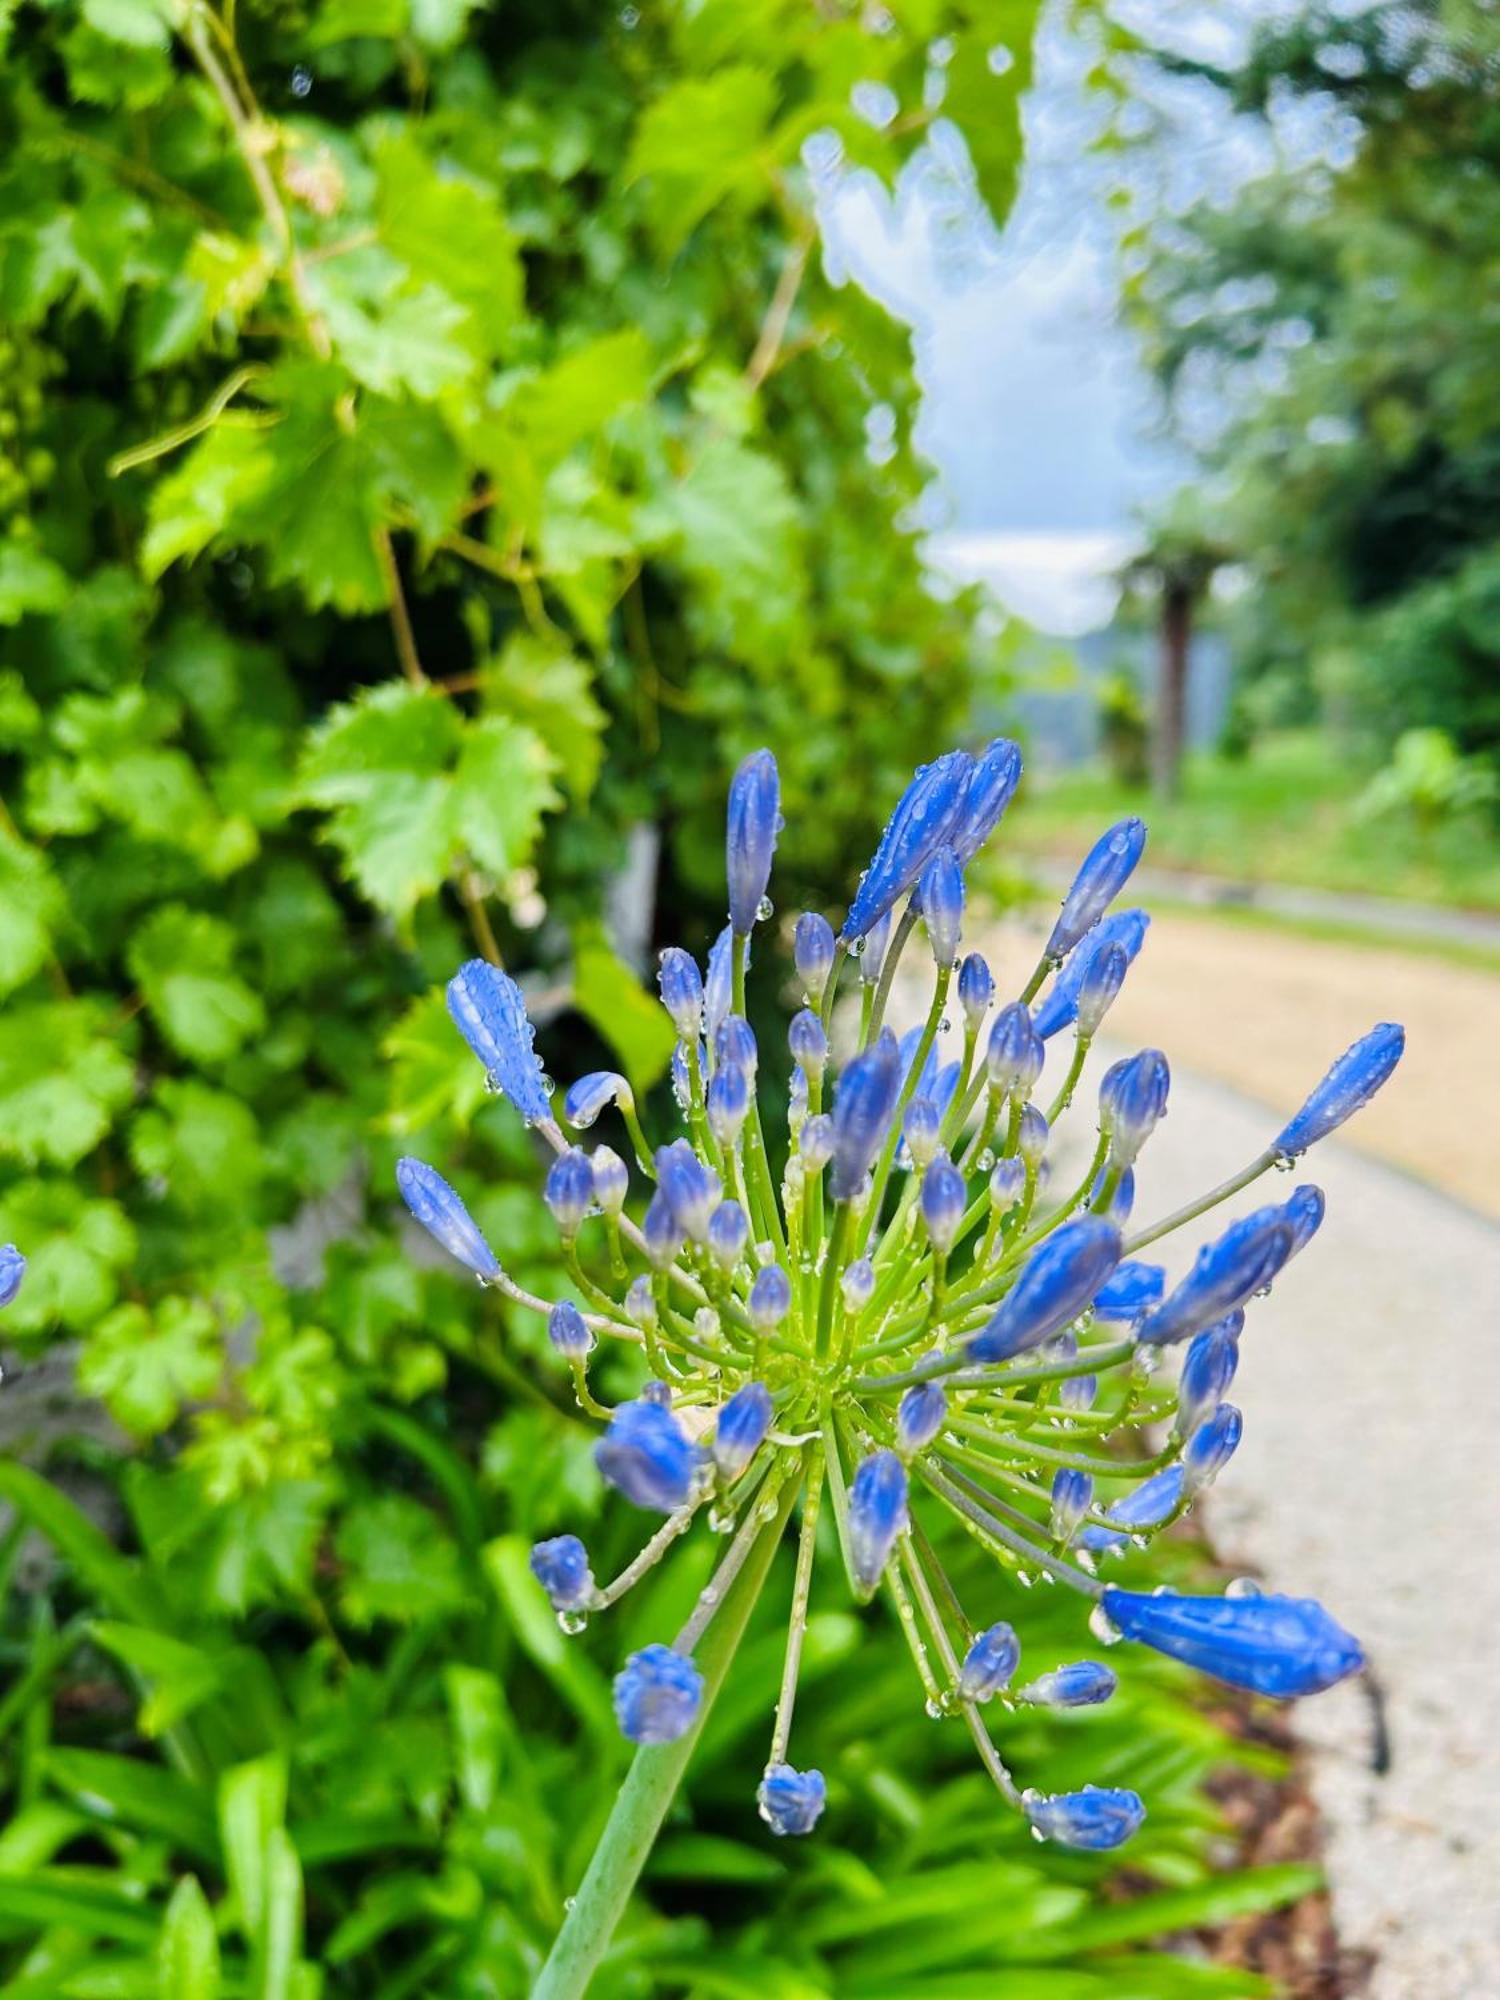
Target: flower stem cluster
x=914 y=1313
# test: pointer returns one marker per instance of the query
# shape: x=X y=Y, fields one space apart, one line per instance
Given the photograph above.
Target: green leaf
x=182 y=959
x=452 y=234
x=551 y=689
x=136 y=1797
x=430 y=1072
x=501 y=788
x=476 y=1706
x=145 y=1363
x=188 y=1952
x=139 y=24
x=577 y=396
x=409 y=344
x=701 y=139
x=193 y=505
x=400 y=1562
x=31 y=906
x=29 y=581
x=608 y=994
x=63 y=1076
x=252 y=1808
x=180 y=1676
x=114 y=1579
x=202 y=1147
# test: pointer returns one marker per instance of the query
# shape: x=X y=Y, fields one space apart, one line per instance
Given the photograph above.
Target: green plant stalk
x=649 y=1789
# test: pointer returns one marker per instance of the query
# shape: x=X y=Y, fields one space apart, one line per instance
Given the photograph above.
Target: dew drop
x=934 y=1710
x=572 y=1622
x=302 y=81
x=765 y=909
x=1103 y=1627
x=1242 y=1586
x=721 y=1519
x=1286 y=1163
x=569 y=1901
x=1023 y=1577
x=549 y=1084
x=985 y=1161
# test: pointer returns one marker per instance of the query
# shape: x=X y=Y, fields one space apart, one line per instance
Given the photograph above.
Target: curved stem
x=648 y=1791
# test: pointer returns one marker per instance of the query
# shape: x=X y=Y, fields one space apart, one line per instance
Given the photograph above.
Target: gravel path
x=1371 y=1391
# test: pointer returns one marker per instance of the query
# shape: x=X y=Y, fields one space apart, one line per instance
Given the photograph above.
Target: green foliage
x=1428 y=779
x=1318 y=339
x=299 y=1802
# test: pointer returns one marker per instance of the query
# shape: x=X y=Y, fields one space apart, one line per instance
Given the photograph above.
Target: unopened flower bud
x=812 y=949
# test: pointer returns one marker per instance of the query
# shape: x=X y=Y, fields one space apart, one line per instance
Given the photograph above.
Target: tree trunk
x=1171 y=687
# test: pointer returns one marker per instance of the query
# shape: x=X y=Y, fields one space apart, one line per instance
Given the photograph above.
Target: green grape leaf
x=702 y=138
x=183 y=959
x=431 y=1074
x=541 y=684
x=29 y=581
x=145 y=1364
x=575 y=398
x=501 y=788
x=63 y=1075
x=452 y=234
x=411 y=343
x=31 y=906
x=75 y=1249
x=200 y=1145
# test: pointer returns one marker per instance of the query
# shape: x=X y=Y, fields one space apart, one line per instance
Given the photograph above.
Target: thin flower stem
x=1210 y=1200
x=671 y=1529
x=715 y=1591
x=988 y=1754
x=759 y=1168
x=797 y=1630
x=646 y=1796
x=906 y=1617
x=1060 y=1103
x=895 y=945
x=831 y=990
x=957 y=1490
x=908 y=1091
x=1005 y=1374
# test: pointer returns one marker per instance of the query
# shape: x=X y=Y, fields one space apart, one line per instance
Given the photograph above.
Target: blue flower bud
x=863 y=1107
x=796 y=1102
x=646 y=1454
x=976 y=989
x=1058 y=1006
x=561 y=1567
x=872 y=956
x=812 y=952
x=568 y=1330
x=741 y=1429
x=718 y=987
x=1106 y=869
x=691 y=1190
x=1129 y=1291
x=611 y=1179
x=734 y=1046
x=1072 y=1495
x=921 y=1128
x=657 y=1695
x=657 y=1392
x=877 y=1515
x=1007 y=1180
x=1080 y=1684
x=569 y=1190
x=919 y=1416
x=640 y=1303
x=1122 y=1201
x=942 y=894
x=754 y=820
x=770 y=1297
x=858 y=1284
x=1208 y=1369
x=728 y=1100
x=1132 y=1102
x=1031 y=1136
x=1015 y=1054
x=663 y=1233
x=1147 y=1505
x=815 y=1143
x=12 y=1271
x=1347 y=1088
x=1211 y=1447
x=728 y=1233
x=1100 y=988
x=1225 y=1273
x=1055 y=1284
x=490 y=1013
x=1095 y=1819
x=944 y=1195
x=440 y=1212
x=945 y=1086
x=991 y=787
x=1277 y=1646
x=589 y=1096
x=1077 y=1392
x=1304 y=1213
x=808 y=1043
x=989 y=1663
x=681 y=987
x=925 y=816
x=791 y=1801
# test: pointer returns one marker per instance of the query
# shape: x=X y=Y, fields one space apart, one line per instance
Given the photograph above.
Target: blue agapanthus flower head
x=910 y=1295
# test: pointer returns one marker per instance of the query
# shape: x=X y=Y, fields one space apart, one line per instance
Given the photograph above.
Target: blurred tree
x=1176 y=567
x=1326 y=345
